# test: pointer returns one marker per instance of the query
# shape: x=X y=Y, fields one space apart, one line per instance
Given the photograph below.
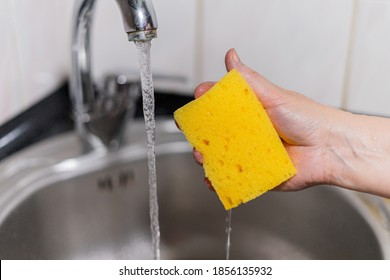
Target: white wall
x=335 y=51
x=33 y=51
x=368 y=85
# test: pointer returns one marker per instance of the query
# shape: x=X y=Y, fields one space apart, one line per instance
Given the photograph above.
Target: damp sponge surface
x=243 y=155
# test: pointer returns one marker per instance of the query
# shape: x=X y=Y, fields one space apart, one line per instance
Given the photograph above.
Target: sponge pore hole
x=229 y=200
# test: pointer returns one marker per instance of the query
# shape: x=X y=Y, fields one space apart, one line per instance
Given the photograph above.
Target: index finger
x=202 y=88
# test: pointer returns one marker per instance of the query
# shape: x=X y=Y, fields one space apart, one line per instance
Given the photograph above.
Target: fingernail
x=235 y=57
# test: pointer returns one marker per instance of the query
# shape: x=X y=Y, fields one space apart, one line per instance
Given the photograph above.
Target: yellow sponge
x=243 y=156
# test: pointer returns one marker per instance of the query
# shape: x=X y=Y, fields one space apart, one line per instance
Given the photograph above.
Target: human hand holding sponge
x=243 y=155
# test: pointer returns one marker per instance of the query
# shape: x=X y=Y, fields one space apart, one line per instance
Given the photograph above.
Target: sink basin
x=56 y=203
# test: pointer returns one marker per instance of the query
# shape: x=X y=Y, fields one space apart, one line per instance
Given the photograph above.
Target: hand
x=323 y=142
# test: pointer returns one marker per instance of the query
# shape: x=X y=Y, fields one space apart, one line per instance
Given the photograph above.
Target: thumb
x=267 y=92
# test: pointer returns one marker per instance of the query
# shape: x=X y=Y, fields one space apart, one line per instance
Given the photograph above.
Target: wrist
x=359 y=153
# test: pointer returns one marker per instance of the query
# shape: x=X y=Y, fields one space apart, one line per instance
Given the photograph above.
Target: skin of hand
x=327 y=145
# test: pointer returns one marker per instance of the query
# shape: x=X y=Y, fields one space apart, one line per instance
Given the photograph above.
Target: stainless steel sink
x=58 y=204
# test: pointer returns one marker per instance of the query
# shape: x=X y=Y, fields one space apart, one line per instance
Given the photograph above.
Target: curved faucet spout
x=97 y=125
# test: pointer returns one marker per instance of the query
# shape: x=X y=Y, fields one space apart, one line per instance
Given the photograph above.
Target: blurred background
x=334 y=51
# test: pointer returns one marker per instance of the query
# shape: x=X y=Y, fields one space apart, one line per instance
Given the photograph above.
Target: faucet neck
x=81 y=78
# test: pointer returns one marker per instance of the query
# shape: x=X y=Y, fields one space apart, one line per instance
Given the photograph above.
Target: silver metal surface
x=97 y=128
x=58 y=203
x=139 y=19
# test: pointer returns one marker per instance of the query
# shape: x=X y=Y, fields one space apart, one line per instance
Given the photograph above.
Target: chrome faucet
x=100 y=115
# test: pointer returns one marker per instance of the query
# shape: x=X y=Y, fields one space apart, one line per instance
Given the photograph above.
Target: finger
x=232 y=60
x=198 y=157
x=202 y=88
x=268 y=93
x=208 y=183
x=177 y=125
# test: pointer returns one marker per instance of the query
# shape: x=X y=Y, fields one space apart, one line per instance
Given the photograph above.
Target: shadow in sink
x=99 y=209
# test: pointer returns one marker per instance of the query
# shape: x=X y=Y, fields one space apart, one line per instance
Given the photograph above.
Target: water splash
x=143 y=48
